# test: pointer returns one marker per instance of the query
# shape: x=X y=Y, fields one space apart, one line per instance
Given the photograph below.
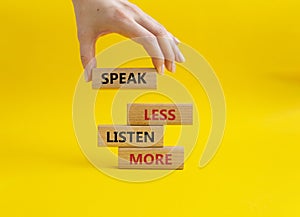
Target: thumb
x=87 y=55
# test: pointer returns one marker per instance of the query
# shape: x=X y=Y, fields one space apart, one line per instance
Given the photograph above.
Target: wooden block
x=130 y=136
x=129 y=78
x=169 y=157
x=159 y=114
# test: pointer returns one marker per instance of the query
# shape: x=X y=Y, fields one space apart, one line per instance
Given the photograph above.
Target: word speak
x=129 y=78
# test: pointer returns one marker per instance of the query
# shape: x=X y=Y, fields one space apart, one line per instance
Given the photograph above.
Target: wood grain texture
x=168 y=157
x=130 y=136
x=128 y=78
x=159 y=114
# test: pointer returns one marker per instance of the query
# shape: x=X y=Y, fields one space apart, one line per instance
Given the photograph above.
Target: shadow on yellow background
x=254 y=48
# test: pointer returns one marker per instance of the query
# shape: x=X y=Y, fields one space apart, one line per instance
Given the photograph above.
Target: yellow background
x=254 y=48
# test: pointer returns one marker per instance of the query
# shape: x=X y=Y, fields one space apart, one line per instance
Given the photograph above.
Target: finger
x=87 y=54
x=162 y=37
x=178 y=55
x=142 y=36
x=166 y=47
x=176 y=40
x=165 y=41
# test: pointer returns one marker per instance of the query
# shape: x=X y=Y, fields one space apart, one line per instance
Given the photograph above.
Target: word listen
x=159 y=114
x=131 y=78
x=131 y=136
x=168 y=157
x=126 y=136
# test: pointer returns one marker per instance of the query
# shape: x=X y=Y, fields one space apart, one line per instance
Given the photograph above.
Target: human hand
x=96 y=18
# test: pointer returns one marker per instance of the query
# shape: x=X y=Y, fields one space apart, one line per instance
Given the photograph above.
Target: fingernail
x=86 y=76
x=181 y=57
x=173 y=67
x=177 y=40
x=88 y=69
x=88 y=73
x=161 y=69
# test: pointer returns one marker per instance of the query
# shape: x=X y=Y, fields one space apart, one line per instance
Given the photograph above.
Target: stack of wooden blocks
x=141 y=142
